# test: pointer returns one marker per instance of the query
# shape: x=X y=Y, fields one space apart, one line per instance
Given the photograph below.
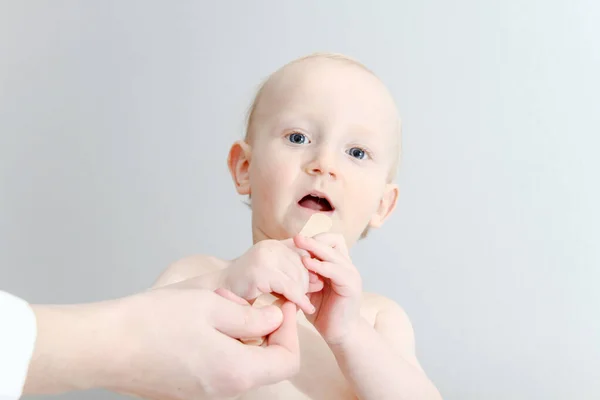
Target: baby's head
x=323 y=135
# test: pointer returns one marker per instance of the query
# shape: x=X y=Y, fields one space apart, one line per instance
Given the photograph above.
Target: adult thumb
x=243 y=321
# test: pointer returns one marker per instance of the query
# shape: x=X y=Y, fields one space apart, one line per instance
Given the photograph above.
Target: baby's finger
x=320 y=250
x=294 y=294
x=325 y=269
x=347 y=283
x=315 y=282
x=316 y=286
x=294 y=269
x=334 y=240
x=289 y=243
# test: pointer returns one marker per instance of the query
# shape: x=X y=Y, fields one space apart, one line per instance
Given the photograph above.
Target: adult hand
x=175 y=342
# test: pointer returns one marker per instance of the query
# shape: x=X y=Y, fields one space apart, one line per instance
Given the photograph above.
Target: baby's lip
x=318 y=196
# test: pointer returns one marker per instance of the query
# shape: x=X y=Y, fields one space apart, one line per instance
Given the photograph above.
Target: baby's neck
x=259 y=235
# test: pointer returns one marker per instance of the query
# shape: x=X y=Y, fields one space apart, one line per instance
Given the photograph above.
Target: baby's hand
x=338 y=304
x=272 y=266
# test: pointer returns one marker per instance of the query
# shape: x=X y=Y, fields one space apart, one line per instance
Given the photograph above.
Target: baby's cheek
x=279 y=169
x=273 y=175
x=365 y=200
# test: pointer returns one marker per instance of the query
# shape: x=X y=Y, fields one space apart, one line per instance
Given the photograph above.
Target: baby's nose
x=323 y=164
x=324 y=170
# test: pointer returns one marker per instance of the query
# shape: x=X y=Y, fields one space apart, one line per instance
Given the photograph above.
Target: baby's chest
x=319 y=378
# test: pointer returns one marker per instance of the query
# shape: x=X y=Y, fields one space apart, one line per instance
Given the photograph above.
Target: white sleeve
x=18 y=331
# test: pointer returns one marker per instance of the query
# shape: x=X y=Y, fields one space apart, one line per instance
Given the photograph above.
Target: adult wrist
x=78 y=347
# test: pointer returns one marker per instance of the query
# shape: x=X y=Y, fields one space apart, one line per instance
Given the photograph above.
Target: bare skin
x=146 y=345
x=320 y=376
x=323 y=138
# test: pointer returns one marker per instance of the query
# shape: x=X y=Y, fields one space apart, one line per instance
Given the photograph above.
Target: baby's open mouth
x=315 y=203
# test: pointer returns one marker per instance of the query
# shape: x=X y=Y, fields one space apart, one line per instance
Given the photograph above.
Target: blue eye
x=357 y=153
x=297 y=138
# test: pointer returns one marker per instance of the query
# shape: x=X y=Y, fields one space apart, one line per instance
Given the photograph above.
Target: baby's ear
x=387 y=204
x=238 y=162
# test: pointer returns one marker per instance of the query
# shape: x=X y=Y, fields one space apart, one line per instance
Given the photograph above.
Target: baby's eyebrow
x=362 y=130
x=289 y=120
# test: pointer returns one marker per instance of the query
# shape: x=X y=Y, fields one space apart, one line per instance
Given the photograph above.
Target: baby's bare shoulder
x=377 y=302
x=392 y=322
x=190 y=267
x=385 y=310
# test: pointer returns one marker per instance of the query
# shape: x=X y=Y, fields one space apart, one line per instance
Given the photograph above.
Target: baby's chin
x=279 y=230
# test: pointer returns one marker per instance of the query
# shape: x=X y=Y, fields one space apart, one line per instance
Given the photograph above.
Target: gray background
x=116 y=118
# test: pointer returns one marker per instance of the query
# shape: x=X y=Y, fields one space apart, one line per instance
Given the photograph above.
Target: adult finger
x=229 y=295
x=243 y=321
x=280 y=358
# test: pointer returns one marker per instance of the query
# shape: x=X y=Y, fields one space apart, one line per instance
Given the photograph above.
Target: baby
x=323 y=136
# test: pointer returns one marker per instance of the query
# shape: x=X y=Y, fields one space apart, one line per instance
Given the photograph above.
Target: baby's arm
x=380 y=362
x=207 y=270
x=269 y=266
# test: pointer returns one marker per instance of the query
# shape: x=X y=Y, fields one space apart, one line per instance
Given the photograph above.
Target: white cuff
x=18 y=332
